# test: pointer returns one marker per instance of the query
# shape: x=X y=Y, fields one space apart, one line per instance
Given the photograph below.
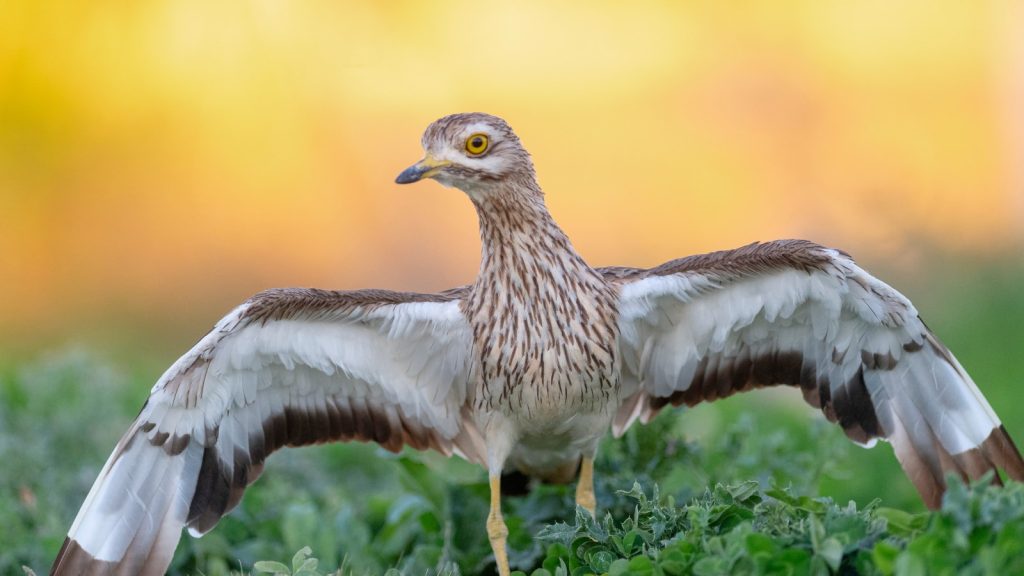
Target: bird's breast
x=541 y=355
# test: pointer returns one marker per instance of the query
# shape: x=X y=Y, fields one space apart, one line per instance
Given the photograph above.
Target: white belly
x=544 y=445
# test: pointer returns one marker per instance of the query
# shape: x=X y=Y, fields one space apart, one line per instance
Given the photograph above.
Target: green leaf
x=629 y=540
x=744 y=491
x=601 y=560
x=711 y=566
x=760 y=544
x=271 y=567
x=619 y=567
x=902 y=523
x=910 y=565
x=641 y=565
x=559 y=532
x=831 y=551
x=884 y=556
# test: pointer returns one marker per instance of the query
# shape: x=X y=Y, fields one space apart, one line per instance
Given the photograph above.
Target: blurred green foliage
x=758 y=484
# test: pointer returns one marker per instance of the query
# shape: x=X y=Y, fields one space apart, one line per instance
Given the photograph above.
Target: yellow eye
x=476 y=144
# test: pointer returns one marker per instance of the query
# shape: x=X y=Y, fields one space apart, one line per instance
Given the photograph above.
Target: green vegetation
x=742 y=529
x=753 y=485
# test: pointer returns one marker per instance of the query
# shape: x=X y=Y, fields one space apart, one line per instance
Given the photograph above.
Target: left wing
x=792 y=312
x=289 y=367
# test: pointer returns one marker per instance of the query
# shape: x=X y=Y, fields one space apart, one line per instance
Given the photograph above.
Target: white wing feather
x=795 y=313
x=271 y=373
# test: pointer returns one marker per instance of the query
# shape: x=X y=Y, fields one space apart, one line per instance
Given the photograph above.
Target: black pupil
x=477 y=142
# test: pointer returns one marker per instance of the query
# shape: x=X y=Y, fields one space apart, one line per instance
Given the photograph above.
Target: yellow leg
x=585 y=486
x=496 y=529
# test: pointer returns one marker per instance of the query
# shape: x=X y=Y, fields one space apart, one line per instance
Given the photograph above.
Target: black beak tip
x=409 y=175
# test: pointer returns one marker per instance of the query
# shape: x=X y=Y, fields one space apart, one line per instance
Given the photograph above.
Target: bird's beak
x=423 y=169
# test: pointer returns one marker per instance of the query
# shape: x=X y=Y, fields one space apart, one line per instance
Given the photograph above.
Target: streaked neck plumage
x=520 y=239
x=543 y=320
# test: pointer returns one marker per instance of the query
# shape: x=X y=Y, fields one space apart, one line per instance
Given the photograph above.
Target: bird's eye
x=476 y=144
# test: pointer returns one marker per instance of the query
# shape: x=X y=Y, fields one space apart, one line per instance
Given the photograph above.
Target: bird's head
x=476 y=153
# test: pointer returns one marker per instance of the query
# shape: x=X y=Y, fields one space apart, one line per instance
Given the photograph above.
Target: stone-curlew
x=526 y=368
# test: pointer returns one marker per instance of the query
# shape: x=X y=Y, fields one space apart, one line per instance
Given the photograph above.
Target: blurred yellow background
x=161 y=161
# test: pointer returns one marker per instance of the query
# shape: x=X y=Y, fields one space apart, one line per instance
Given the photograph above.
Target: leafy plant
x=727 y=530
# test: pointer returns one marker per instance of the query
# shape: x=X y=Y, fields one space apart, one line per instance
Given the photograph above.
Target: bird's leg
x=585 y=486
x=496 y=529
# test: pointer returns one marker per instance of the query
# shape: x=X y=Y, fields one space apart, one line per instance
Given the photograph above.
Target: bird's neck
x=521 y=239
x=544 y=322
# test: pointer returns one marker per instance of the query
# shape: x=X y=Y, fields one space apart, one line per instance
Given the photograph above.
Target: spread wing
x=287 y=368
x=792 y=312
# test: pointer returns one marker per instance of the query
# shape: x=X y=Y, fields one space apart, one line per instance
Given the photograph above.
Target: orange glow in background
x=161 y=161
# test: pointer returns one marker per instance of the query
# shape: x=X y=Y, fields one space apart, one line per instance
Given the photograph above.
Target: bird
x=527 y=368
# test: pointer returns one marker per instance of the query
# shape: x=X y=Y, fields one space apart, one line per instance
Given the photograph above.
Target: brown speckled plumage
x=544 y=323
x=730 y=265
x=317 y=304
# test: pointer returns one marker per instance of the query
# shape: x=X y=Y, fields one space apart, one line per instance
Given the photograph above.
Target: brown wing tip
x=73 y=560
x=996 y=452
x=1002 y=452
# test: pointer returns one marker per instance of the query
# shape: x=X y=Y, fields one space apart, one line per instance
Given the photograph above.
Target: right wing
x=795 y=313
x=288 y=367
